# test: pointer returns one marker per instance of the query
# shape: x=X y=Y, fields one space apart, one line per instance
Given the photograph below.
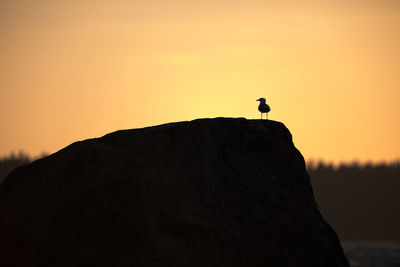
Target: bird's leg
x=267 y=116
x=261 y=115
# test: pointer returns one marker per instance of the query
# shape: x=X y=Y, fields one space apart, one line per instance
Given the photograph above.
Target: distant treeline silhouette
x=12 y=161
x=315 y=166
x=360 y=201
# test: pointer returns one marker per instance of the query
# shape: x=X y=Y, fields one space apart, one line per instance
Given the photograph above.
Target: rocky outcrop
x=209 y=192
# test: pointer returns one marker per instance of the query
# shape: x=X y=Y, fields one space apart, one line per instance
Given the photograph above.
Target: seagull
x=263 y=107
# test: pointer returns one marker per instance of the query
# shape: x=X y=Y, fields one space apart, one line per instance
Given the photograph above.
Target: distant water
x=372 y=254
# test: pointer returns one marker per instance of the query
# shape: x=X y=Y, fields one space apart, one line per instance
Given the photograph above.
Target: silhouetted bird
x=263 y=107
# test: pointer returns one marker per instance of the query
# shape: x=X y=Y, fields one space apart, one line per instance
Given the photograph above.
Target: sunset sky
x=72 y=70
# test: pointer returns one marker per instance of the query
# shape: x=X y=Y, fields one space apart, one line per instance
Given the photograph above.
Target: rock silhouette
x=209 y=192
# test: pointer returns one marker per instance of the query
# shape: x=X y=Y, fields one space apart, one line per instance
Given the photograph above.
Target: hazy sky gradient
x=72 y=70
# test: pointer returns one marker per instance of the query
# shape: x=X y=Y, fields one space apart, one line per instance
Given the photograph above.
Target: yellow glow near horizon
x=73 y=70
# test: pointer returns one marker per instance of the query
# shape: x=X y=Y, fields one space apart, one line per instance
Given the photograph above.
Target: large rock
x=210 y=192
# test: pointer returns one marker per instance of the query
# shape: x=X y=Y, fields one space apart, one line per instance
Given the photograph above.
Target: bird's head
x=262 y=100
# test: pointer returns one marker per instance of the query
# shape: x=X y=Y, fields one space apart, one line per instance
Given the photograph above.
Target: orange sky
x=72 y=70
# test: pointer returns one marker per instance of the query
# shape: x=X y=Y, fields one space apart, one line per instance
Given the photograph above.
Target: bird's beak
x=258 y=100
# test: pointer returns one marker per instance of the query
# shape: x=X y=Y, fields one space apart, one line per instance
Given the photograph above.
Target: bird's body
x=263 y=107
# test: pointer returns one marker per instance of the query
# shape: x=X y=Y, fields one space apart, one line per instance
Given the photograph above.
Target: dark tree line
x=360 y=201
x=9 y=163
